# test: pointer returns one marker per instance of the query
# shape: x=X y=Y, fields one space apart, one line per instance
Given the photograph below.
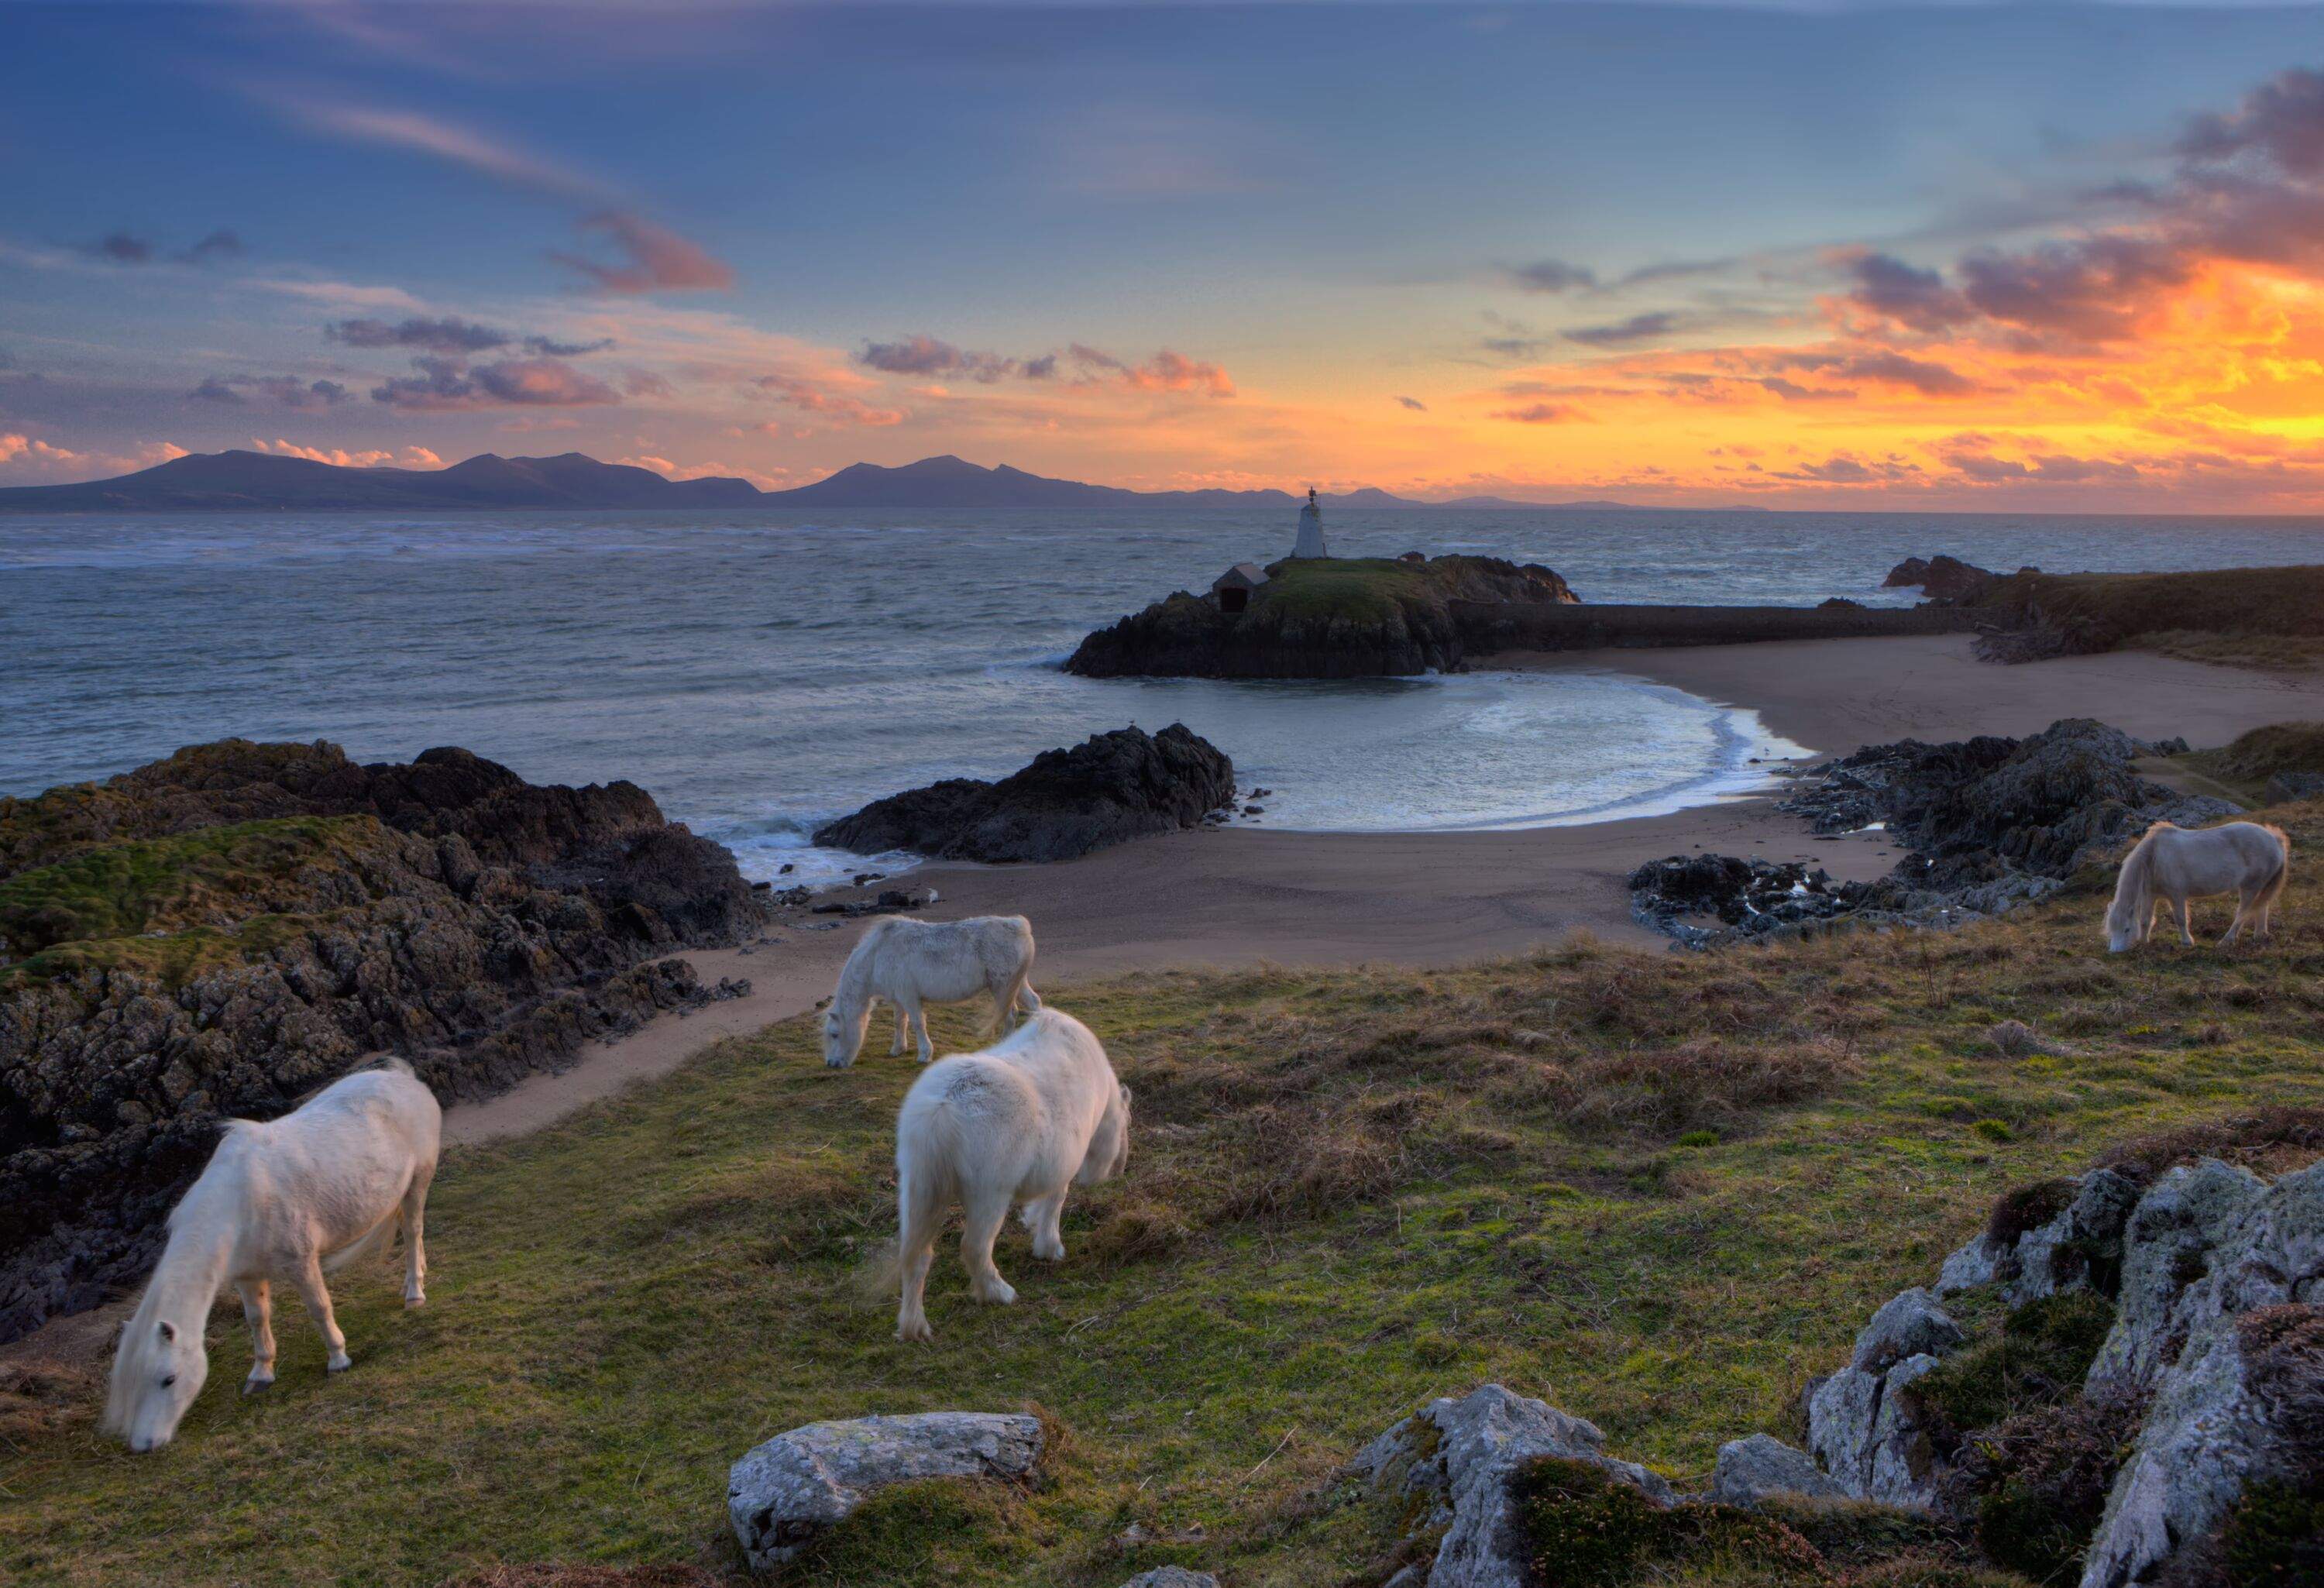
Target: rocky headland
x=1987 y=824
x=1321 y=618
x=1107 y=790
x=221 y=932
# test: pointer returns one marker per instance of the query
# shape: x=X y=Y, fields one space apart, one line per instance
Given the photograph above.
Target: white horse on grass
x=1020 y=1123
x=2173 y=864
x=911 y=963
x=286 y=1199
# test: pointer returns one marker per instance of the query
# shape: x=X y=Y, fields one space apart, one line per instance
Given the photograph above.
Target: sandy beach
x=1244 y=894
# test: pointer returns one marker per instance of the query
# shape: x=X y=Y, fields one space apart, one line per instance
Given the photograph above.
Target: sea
x=761 y=671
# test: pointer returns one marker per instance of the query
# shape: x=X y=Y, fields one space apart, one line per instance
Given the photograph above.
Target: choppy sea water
x=761 y=671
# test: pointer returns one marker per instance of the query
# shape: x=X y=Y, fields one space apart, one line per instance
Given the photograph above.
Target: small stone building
x=1233 y=587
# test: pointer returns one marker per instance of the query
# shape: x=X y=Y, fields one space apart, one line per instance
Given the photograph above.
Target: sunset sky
x=1976 y=257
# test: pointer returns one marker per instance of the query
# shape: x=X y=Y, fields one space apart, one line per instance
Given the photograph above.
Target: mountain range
x=247 y=481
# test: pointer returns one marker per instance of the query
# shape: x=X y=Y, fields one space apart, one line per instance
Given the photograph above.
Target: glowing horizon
x=1976 y=260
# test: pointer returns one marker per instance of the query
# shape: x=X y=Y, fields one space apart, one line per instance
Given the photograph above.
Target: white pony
x=1020 y=1122
x=2172 y=865
x=910 y=963
x=286 y=1199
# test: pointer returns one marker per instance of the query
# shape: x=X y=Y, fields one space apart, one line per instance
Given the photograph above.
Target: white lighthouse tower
x=1311 y=529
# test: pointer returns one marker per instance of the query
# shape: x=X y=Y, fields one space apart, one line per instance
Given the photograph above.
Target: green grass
x=175 y=906
x=1350 y=1190
x=1362 y=589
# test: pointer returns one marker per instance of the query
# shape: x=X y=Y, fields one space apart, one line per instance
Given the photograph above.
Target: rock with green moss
x=1455 y=1461
x=222 y=931
x=2190 y=1213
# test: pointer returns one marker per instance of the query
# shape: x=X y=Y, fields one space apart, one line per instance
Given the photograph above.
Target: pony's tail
x=371 y=1241
x=927 y=1152
x=2272 y=889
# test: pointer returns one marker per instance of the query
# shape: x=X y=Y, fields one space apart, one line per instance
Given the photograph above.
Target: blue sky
x=1316 y=207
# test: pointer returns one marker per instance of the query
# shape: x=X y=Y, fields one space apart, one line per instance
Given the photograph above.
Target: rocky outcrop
x=2284 y=787
x=1942 y=578
x=217 y=933
x=1107 y=790
x=1327 y=618
x=1172 y=1577
x=1987 y=824
x=1456 y=1459
x=788 y=1491
x=1870 y=1436
x=1762 y=1467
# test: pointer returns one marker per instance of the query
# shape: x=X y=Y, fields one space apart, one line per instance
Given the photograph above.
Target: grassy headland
x=2269 y=617
x=1659 y=1191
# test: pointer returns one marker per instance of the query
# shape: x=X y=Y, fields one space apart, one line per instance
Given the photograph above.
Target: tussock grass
x=1349 y=1191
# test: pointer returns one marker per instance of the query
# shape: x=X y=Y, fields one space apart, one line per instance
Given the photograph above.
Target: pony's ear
x=1125 y=1096
x=169 y=1331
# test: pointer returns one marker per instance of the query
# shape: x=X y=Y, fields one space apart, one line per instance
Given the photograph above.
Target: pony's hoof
x=412 y=1302
x=916 y=1330
x=339 y=1363
x=254 y=1385
x=1051 y=1253
x=1000 y=1295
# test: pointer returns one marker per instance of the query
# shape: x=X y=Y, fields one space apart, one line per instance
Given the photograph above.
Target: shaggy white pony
x=286 y=1199
x=911 y=963
x=1020 y=1123
x=2172 y=865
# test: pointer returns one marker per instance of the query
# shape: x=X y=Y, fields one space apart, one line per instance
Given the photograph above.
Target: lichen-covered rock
x=1172 y=1577
x=1907 y=1325
x=1752 y=1469
x=1975 y=1262
x=785 y=1492
x=2082 y=1241
x=1872 y=1438
x=2244 y=1404
x=1109 y=789
x=2167 y=1243
x=1458 y=1456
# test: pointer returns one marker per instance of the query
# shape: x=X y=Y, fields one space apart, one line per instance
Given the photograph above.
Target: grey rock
x=2286 y=787
x=2277 y=1254
x=1909 y=1324
x=1172 y=1577
x=1840 y=1414
x=1461 y=1461
x=1905 y=1466
x=2092 y=1222
x=2213 y=1428
x=2167 y=1244
x=1977 y=1263
x=1750 y=1470
x=786 y=1491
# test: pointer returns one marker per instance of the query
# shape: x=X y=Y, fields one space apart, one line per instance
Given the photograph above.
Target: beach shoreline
x=1244 y=895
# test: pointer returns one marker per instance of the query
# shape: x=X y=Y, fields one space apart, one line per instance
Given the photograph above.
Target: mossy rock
x=2038 y=1357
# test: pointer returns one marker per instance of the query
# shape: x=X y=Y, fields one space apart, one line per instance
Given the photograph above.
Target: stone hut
x=1233 y=587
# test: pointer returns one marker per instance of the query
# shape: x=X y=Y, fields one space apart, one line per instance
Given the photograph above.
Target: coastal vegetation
x=1660 y=1191
x=2253 y=616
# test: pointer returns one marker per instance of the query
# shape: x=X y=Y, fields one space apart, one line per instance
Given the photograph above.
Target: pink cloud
x=410 y=457
x=660 y=259
x=514 y=383
x=800 y=392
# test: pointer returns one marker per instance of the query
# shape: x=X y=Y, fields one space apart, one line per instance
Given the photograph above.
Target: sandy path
x=1245 y=895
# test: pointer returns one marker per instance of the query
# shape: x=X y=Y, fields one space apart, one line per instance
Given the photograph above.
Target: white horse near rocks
x=1018 y=1124
x=287 y=1199
x=911 y=963
x=2172 y=865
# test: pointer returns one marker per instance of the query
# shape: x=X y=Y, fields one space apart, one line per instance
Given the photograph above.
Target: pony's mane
x=857 y=970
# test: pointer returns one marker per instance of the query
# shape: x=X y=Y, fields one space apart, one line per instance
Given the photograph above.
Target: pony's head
x=1109 y=1148
x=159 y=1368
x=2133 y=910
x=843 y=1033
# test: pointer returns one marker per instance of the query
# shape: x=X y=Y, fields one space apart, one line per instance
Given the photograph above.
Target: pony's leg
x=258 y=1311
x=987 y=1212
x=1027 y=999
x=2186 y=919
x=415 y=1250
x=318 y=1304
x=2235 y=926
x=1041 y=1217
x=920 y=1220
x=920 y=1025
x=903 y=1025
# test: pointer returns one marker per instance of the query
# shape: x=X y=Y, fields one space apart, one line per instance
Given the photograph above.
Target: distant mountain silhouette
x=246 y=480
x=261 y=481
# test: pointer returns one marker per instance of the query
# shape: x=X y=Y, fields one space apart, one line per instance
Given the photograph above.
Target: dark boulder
x=1109 y=789
x=1942 y=578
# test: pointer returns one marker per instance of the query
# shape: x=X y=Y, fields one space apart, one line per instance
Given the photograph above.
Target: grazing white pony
x=286 y=1199
x=911 y=963
x=1020 y=1123
x=2172 y=865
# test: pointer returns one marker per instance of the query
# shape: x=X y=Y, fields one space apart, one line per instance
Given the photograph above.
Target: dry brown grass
x=553 y=1575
